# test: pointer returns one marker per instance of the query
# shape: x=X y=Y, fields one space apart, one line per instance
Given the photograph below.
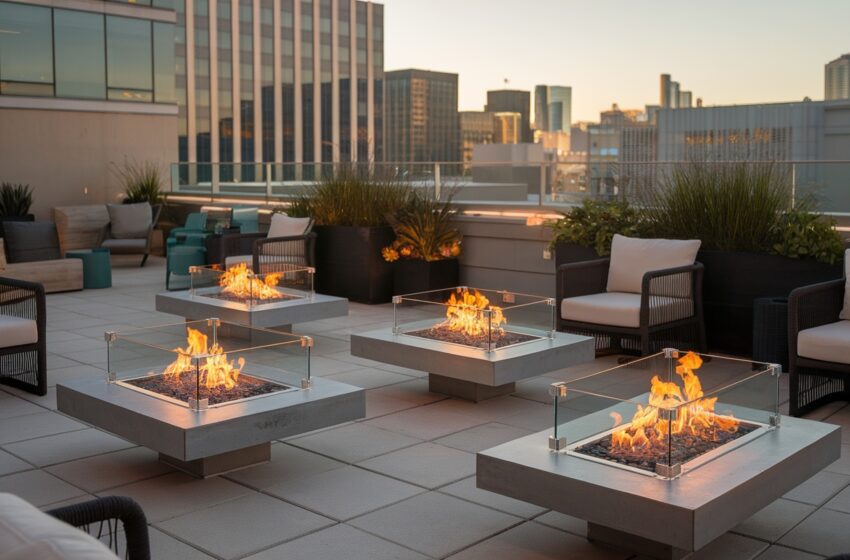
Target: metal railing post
x=268 y=181
x=437 y=183
x=216 y=178
x=542 y=183
x=175 y=177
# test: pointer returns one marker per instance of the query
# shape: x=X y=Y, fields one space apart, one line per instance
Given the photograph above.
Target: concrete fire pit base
x=218 y=439
x=654 y=517
x=280 y=315
x=471 y=373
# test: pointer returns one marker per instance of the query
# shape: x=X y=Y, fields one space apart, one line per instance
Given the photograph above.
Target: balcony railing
x=545 y=185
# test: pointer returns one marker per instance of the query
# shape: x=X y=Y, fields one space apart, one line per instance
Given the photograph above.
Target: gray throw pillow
x=31 y=241
x=129 y=221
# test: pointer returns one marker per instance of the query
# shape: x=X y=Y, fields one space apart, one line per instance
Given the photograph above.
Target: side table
x=97 y=267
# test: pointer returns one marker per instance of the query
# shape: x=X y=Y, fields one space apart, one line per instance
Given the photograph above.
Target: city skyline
x=609 y=58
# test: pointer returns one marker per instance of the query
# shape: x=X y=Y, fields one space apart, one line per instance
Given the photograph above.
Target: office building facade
x=553 y=108
x=513 y=101
x=508 y=129
x=293 y=81
x=476 y=127
x=85 y=86
x=837 y=79
x=422 y=116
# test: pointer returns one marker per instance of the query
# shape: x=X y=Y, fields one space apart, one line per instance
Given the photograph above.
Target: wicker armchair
x=280 y=253
x=815 y=382
x=668 y=309
x=106 y=510
x=23 y=320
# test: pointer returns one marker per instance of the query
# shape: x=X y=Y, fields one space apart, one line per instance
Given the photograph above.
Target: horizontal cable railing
x=537 y=185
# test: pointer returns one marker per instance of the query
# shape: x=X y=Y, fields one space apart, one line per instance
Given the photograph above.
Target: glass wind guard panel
x=239 y=286
x=207 y=363
x=484 y=319
x=667 y=413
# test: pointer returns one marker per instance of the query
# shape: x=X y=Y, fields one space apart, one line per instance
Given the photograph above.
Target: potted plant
x=755 y=243
x=15 y=202
x=426 y=246
x=143 y=182
x=351 y=216
x=586 y=231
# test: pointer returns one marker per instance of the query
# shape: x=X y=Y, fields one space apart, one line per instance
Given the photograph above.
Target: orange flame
x=697 y=417
x=214 y=369
x=241 y=282
x=472 y=314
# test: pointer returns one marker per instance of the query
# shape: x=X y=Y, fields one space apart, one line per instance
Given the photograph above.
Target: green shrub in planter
x=594 y=223
x=801 y=234
x=142 y=182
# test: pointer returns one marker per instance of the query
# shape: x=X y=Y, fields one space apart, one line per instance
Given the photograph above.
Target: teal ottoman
x=180 y=258
x=97 y=267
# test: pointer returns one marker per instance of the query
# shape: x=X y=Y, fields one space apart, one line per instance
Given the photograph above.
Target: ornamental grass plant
x=423 y=230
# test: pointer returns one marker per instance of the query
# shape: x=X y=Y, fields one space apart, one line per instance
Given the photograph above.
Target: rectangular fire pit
x=209 y=396
x=475 y=344
x=664 y=472
x=274 y=299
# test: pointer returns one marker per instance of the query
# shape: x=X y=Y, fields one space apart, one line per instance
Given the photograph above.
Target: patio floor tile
x=425 y=422
x=819 y=488
x=427 y=464
x=841 y=502
x=288 y=463
x=730 y=546
x=337 y=543
x=36 y=425
x=483 y=437
x=174 y=494
x=531 y=541
x=777 y=552
x=38 y=487
x=11 y=406
x=109 y=470
x=775 y=520
x=467 y=490
x=563 y=522
x=10 y=464
x=369 y=378
x=823 y=532
x=435 y=524
x=354 y=442
x=243 y=526
x=60 y=448
x=344 y=493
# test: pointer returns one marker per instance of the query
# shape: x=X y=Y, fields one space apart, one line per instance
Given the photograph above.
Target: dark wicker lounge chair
x=106 y=512
x=23 y=351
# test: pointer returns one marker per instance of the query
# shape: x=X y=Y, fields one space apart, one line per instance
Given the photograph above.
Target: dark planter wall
x=27 y=218
x=411 y=276
x=566 y=253
x=349 y=263
x=733 y=280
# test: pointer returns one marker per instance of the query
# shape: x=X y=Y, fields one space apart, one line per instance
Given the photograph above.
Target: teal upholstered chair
x=247 y=218
x=193 y=232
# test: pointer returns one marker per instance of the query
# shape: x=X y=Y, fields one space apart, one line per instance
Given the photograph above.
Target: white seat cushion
x=26 y=532
x=15 y=331
x=619 y=309
x=631 y=258
x=829 y=343
x=286 y=226
x=845 y=311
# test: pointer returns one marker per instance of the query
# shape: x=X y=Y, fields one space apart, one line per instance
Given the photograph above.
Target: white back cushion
x=285 y=226
x=631 y=258
x=845 y=311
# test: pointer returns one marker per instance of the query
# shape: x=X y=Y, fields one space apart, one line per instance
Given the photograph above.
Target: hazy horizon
x=613 y=51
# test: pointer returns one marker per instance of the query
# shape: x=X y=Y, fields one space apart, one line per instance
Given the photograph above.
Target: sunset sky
x=725 y=51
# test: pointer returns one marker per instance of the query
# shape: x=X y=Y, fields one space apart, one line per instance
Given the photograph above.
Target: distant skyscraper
x=476 y=127
x=512 y=101
x=685 y=100
x=507 y=130
x=837 y=78
x=553 y=108
x=421 y=116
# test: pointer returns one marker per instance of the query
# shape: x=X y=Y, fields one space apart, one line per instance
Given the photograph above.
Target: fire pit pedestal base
x=223 y=463
x=632 y=543
x=467 y=390
x=472 y=373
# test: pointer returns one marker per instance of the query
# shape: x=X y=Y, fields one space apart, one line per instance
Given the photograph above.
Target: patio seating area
x=398 y=484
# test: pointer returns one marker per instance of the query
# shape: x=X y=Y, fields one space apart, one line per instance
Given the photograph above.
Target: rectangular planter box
x=349 y=263
x=411 y=276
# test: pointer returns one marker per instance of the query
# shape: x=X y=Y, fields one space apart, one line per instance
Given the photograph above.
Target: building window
x=164 y=67
x=80 y=54
x=128 y=59
x=26 y=50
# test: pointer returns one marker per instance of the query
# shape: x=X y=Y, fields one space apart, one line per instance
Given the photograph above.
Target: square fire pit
x=209 y=396
x=236 y=294
x=475 y=344
x=664 y=454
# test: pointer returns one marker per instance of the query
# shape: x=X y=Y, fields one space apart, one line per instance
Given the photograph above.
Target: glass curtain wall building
x=291 y=81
